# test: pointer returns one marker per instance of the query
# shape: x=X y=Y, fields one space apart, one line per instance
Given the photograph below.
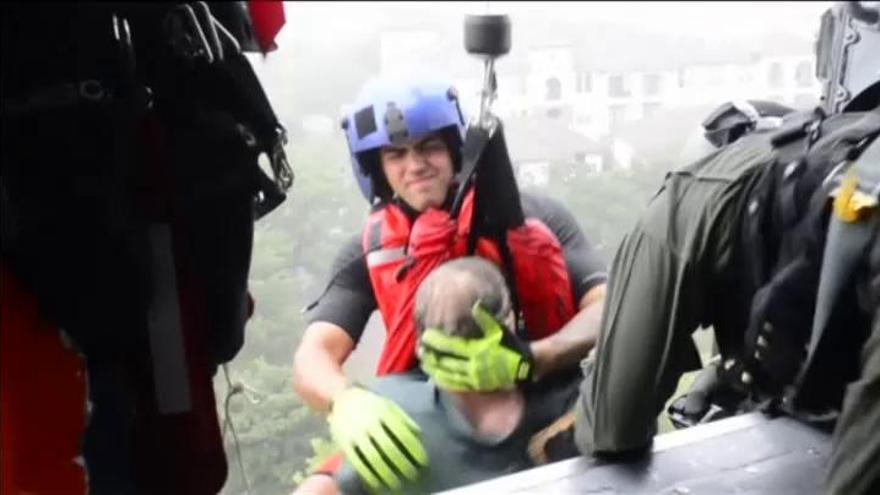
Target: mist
x=599 y=101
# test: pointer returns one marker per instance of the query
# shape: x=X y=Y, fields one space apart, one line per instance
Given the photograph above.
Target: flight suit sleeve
x=671 y=274
x=644 y=348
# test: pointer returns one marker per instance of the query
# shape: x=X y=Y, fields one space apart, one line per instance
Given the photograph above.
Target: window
x=803 y=75
x=652 y=84
x=554 y=89
x=774 y=76
x=583 y=119
x=650 y=109
x=585 y=82
x=554 y=113
x=593 y=163
x=534 y=173
x=616 y=115
x=616 y=87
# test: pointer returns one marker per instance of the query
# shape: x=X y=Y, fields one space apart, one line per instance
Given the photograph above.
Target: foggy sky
x=709 y=19
x=327 y=49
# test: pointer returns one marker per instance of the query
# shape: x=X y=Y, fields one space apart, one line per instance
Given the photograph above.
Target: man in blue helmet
x=405 y=140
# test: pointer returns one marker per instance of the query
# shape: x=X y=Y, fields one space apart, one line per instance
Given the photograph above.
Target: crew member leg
x=644 y=348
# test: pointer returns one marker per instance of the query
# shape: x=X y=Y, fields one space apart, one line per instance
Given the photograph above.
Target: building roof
x=651 y=52
x=633 y=50
x=545 y=139
x=664 y=136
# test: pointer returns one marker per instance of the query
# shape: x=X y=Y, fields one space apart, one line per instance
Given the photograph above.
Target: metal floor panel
x=745 y=454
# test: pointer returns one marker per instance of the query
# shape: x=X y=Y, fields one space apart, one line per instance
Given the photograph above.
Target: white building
x=594 y=93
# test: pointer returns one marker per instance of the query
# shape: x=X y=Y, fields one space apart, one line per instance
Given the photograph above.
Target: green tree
x=268 y=433
x=607 y=204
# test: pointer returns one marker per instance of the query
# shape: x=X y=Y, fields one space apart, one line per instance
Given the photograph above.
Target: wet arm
x=567 y=347
x=317 y=364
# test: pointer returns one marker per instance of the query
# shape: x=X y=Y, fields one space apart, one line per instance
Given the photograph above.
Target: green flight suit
x=672 y=273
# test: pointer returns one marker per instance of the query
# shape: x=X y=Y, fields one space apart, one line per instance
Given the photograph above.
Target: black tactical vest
x=783 y=237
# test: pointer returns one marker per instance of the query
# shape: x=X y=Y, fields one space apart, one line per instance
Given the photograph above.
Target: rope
x=231 y=390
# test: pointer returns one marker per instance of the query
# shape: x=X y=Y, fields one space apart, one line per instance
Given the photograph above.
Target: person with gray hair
x=469 y=301
x=445 y=298
x=470 y=436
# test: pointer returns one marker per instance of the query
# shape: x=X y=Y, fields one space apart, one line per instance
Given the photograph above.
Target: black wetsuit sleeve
x=349 y=300
x=586 y=269
x=348 y=482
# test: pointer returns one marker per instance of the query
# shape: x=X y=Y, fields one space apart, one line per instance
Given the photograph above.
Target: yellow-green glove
x=379 y=439
x=495 y=361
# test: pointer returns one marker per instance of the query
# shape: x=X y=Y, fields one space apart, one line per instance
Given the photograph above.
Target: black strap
x=774 y=193
x=510 y=275
x=754 y=225
x=474 y=143
x=840 y=258
x=9 y=239
x=497 y=206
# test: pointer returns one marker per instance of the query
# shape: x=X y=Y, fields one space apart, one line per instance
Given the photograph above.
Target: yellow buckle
x=851 y=204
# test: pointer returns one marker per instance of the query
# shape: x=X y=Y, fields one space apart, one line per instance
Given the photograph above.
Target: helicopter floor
x=744 y=454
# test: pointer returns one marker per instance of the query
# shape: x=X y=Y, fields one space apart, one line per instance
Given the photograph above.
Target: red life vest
x=42 y=396
x=400 y=254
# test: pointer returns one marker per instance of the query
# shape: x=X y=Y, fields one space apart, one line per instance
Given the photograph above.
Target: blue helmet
x=391 y=112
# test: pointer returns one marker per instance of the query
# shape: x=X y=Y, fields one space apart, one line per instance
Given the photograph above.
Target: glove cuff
x=349 y=386
x=525 y=371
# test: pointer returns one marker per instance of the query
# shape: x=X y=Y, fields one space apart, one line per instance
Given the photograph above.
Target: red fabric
x=542 y=281
x=183 y=452
x=331 y=464
x=268 y=19
x=543 y=285
x=42 y=399
x=189 y=446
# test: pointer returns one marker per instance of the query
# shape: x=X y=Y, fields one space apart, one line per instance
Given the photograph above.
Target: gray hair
x=446 y=296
